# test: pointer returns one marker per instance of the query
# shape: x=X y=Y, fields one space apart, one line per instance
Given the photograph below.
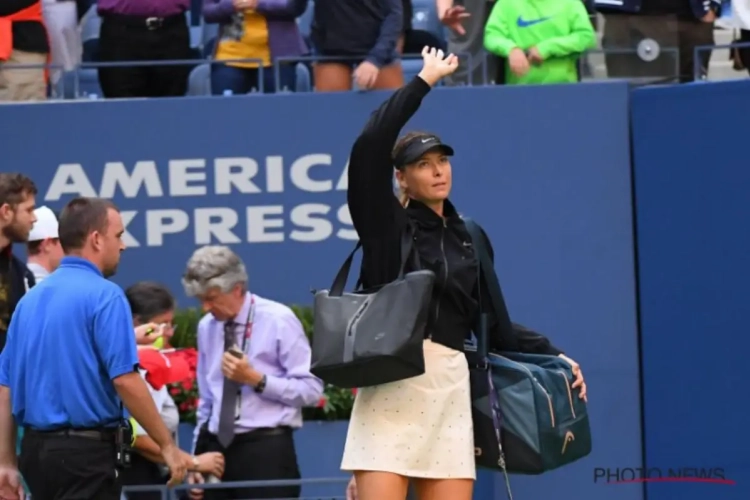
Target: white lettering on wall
x=315 y=228
x=161 y=222
x=70 y=178
x=144 y=174
x=183 y=174
x=215 y=223
x=260 y=220
x=310 y=219
x=237 y=172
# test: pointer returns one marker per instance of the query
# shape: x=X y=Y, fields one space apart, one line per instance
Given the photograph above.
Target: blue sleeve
x=114 y=337
x=390 y=31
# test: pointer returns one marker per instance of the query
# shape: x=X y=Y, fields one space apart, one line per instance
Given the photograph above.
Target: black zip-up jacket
x=20 y=279
x=443 y=243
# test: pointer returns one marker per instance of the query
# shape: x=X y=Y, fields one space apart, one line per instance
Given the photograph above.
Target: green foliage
x=336 y=403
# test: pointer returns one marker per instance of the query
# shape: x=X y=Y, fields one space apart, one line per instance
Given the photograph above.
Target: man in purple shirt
x=253 y=378
x=143 y=30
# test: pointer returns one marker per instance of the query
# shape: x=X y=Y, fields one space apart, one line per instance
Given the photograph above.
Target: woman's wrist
x=429 y=78
x=196 y=463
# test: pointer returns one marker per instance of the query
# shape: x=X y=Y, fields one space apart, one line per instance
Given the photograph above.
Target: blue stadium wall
x=546 y=171
x=691 y=190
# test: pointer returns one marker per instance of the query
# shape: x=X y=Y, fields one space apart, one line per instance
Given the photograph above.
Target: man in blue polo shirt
x=69 y=364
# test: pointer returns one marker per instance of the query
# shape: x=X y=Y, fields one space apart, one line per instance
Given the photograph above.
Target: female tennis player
x=419 y=428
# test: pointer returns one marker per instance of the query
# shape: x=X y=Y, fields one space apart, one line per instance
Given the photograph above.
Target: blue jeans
x=243 y=80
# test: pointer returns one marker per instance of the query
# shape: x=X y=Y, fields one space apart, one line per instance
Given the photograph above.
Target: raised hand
x=436 y=65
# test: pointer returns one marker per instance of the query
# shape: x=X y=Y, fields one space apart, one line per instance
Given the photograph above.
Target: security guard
x=69 y=365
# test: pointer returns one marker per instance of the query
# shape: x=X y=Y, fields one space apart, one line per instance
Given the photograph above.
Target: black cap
x=417 y=147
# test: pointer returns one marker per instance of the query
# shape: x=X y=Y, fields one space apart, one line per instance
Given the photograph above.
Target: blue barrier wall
x=546 y=171
x=693 y=210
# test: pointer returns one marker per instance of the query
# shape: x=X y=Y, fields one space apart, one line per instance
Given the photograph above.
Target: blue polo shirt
x=69 y=337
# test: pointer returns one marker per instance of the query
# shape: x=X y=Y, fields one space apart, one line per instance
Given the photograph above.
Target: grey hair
x=213 y=267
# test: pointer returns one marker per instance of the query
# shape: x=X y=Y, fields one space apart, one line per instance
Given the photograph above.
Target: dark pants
x=628 y=32
x=744 y=53
x=141 y=472
x=243 y=80
x=262 y=455
x=129 y=38
x=59 y=467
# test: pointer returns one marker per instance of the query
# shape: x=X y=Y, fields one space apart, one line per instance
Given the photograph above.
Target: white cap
x=45 y=225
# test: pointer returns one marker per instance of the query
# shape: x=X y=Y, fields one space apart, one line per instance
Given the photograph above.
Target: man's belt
x=99 y=434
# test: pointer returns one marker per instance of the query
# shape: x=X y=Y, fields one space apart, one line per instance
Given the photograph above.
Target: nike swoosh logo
x=426 y=140
x=522 y=23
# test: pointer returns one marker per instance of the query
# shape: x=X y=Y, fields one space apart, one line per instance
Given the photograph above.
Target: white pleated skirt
x=420 y=427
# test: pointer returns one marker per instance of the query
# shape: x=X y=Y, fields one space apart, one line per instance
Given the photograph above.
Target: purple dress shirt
x=284 y=38
x=145 y=8
x=278 y=348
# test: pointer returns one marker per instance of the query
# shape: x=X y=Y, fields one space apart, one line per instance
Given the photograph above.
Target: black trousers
x=60 y=467
x=261 y=455
x=141 y=472
x=131 y=38
x=627 y=32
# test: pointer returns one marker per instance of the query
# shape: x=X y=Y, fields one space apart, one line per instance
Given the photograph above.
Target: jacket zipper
x=445 y=273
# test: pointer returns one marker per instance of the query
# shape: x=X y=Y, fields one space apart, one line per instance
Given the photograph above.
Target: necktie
x=225 y=433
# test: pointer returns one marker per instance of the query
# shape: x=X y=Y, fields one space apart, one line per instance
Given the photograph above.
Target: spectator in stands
x=255 y=29
x=23 y=41
x=366 y=35
x=649 y=29
x=152 y=304
x=17 y=198
x=253 y=377
x=416 y=40
x=741 y=11
x=133 y=30
x=43 y=247
x=466 y=20
x=540 y=40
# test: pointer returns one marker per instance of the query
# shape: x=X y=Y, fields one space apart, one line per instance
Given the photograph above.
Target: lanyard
x=248 y=326
x=245 y=343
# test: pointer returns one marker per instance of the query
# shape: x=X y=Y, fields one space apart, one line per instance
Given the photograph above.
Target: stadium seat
x=303 y=79
x=305 y=22
x=88 y=85
x=425 y=17
x=209 y=34
x=199 y=81
x=411 y=67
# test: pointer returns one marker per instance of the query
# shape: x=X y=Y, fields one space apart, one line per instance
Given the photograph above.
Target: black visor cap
x=417 y=147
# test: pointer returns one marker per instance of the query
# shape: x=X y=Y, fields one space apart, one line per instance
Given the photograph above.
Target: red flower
x=184 y=407
x=187 y=385
x=322 y=402
x=354 y=391
x=174 y=391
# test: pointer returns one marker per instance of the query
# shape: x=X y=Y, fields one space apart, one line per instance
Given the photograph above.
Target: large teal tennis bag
x=543 y=422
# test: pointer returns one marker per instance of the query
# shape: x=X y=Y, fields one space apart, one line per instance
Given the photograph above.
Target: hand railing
x=698 y=70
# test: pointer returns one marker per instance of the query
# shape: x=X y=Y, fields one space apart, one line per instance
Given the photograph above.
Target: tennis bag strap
x=487 y=271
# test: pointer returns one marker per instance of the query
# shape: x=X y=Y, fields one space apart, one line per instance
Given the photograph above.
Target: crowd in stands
x=120 y=48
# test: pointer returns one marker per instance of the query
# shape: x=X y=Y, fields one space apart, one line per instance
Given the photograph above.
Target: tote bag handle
x=407 y=245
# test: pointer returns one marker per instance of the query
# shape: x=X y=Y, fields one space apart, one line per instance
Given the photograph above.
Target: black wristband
x=261 y=385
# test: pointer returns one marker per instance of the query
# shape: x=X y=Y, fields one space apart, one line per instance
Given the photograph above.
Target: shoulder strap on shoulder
x=488 y=275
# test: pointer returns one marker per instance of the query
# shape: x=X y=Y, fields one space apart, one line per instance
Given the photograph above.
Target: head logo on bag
x=569 y=436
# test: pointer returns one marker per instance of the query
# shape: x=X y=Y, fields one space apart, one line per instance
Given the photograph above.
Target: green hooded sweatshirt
x=559 y=29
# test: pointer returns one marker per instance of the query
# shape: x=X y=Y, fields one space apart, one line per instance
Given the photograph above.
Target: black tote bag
x=372 y=337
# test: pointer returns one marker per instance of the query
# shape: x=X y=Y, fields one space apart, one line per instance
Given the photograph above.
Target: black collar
x=426 y=216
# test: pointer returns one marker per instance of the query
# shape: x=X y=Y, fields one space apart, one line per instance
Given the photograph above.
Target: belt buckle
x=153 y=23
